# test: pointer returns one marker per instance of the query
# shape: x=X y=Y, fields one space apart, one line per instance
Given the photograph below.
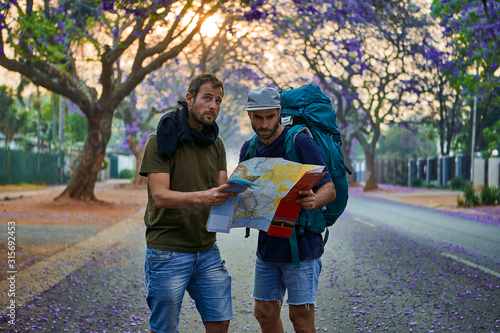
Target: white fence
x=436 y=171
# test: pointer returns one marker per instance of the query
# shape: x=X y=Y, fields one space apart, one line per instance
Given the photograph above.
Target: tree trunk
x=81 y=185
x=7 y=137
x=346 y=149
x=54 y=116
x=371 y=182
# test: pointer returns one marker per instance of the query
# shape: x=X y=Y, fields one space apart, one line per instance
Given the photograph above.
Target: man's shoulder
x=244 y=149
x=152 y=140
x=219 y=143
x=307 y=149
x=246 y=143
x=153 y=136
x=302 y=138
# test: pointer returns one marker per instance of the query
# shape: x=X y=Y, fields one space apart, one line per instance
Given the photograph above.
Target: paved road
x=386 y=268
x=484 y=239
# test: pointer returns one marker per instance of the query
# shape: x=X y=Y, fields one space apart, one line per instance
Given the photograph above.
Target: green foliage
x=11 y=121
x=400 y=142
x=488 y=195
x=46 y=109
x=126 y=174
x=470 y=198
x=104 y=164
x=47 y=49
x=6 y=100
x=76 y=128
x=460 y=143
x=457 y=183
x=416 y=182
x=492 y=136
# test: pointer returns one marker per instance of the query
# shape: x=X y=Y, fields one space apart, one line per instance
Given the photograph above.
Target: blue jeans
x=273 y=279
x=204 y=276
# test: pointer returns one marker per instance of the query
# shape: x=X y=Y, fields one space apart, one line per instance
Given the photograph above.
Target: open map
x=262 y=183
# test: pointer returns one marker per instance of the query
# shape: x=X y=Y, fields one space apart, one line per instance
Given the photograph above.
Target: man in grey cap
x=274 y=272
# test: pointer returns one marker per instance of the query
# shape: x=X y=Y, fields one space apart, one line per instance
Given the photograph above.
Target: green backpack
x=307 y=109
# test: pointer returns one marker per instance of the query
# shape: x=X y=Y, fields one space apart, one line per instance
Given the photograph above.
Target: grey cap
x=263 y=99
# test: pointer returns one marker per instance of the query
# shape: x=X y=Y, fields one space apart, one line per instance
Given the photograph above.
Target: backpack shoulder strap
x=291 y=153
x=252 y=148
x=294 y=247
x=290 y=137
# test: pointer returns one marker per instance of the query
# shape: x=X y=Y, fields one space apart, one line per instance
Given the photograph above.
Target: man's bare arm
x=159 y=183
x=222 y=178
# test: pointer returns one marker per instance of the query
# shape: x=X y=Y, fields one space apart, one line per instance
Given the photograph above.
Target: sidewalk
x=13 y=192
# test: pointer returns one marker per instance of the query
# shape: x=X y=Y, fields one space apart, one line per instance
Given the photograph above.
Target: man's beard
x=198 y=116
x=267 y=135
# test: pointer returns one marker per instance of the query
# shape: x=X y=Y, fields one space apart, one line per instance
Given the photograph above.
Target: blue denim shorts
x=203 y=274
x=272 y=279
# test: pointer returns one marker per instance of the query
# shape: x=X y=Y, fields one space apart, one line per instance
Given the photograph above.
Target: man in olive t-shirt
x=185 y=162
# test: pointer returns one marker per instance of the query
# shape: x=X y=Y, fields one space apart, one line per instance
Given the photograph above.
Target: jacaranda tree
x=471 y=28
x=95 y=53
x=363 y=54
x=158 y=94
x=443 y=106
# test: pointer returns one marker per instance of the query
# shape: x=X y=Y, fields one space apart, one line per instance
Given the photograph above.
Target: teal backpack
x=307 y=109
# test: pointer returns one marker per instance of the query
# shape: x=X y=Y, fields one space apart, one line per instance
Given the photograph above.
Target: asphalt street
x=481 y=238
x=387 y=267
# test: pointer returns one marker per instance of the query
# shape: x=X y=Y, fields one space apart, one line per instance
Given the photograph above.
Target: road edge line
x=364 y=222
x=471 y=264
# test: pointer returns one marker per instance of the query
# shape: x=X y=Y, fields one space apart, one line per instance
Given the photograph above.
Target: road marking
x=470 y=263
x=364 y=222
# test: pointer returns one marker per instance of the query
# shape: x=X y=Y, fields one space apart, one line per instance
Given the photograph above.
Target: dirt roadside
x=45 y=227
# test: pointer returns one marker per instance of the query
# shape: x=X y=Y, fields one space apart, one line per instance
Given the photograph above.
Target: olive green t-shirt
x=182 y=230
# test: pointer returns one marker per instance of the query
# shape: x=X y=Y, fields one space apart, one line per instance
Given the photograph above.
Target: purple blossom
x=107 y=5
x=58 y=10
x=144 y=139
x=116 y=33
x=125 y=145
x=72 y=107
x=134 y=128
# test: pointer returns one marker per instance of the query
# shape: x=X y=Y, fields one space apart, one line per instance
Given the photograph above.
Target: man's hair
x=198 y=81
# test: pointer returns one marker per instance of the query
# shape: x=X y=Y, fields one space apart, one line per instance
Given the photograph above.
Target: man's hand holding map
x=268 y=189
